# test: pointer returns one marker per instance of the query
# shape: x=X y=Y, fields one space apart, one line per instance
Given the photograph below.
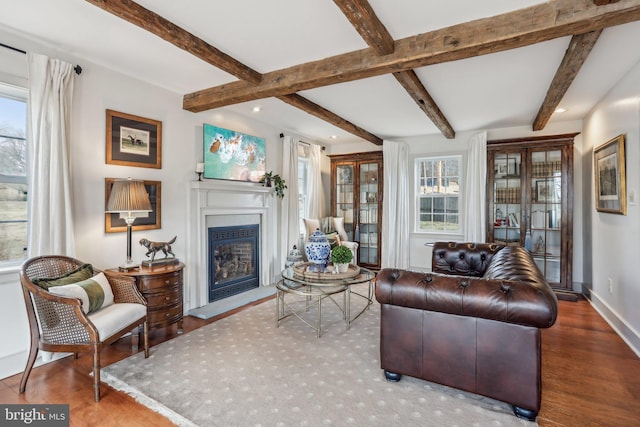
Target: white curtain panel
x=475 y=189
x=315 y=189
x=395 y=208
x=289 y=221
x=50 y=207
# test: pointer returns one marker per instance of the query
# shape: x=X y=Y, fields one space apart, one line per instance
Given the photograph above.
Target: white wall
x=615 y=239
x=96 y=90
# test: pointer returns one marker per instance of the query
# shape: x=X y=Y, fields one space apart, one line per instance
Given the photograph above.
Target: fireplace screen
x=233 y=260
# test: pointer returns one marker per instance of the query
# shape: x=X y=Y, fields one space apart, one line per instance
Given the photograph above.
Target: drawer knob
x=167 y=282
x=167 y=314
x=167 y=298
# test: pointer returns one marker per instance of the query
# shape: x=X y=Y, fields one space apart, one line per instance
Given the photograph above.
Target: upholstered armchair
x=333 y=228
x=73 y=307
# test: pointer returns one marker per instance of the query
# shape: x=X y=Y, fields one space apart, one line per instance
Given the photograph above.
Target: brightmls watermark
x=34 y=415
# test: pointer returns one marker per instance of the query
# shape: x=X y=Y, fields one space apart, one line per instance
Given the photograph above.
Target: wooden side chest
x=162 y=287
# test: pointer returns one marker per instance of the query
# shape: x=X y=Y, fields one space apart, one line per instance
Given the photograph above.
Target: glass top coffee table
x=317 y=287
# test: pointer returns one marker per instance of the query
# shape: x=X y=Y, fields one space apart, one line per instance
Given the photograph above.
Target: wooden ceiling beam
x=373 y=31
x=412 y=84
x=326 y=115
x=150 y=21
x=577 y=52
x=156 y=24
x=523 y=27
x=368 y=25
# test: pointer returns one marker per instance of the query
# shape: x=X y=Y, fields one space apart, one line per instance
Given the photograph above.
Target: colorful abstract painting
x=233 y=155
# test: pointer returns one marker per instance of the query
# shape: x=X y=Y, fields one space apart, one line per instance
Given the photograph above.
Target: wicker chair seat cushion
x=113 y=318
x=95 y=292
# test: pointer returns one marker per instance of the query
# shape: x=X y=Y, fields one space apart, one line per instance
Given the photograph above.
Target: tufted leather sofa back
x=467 y=259
x=511 y=288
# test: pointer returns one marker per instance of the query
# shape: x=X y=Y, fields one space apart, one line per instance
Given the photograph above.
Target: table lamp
x=129 y=198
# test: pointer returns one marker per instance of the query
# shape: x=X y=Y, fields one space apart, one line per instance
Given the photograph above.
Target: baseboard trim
x=630 y=336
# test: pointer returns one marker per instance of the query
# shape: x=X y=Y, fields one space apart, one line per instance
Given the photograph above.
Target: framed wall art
x=548 y=190
x=133 y=141
x=233 y=155
x=114 y=224
x=610 y=176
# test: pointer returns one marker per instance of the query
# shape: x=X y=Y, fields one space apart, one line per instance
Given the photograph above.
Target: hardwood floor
x=590 y=377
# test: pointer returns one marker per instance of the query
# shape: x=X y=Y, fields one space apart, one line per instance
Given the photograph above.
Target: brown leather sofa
x=473 y=323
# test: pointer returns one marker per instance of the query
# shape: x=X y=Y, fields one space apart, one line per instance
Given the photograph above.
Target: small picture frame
x=610 y=176
x=133 y=141
x=505 y=167
x=548 y=190
x=114 y=224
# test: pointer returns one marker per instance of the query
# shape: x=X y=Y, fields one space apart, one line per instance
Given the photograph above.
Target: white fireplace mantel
x=218 y=198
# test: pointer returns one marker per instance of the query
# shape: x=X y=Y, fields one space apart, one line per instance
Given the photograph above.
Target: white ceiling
x=497 y=90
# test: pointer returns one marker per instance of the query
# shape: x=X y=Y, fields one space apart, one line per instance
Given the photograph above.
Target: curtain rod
x=77 y=68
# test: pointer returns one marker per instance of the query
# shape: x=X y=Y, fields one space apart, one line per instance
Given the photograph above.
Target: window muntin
x=438 y=194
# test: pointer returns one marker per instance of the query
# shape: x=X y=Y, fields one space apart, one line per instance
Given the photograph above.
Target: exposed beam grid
x=373 y=31
x=577 y=52
x=523 y=27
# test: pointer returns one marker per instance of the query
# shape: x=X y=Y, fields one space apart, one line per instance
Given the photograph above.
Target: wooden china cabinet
x=356 y=196
x=530 y=201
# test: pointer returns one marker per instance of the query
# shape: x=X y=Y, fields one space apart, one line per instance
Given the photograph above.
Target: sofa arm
x=502 y=300
x=465 y=259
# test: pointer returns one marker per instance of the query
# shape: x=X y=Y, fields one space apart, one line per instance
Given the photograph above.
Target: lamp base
x=128 y=266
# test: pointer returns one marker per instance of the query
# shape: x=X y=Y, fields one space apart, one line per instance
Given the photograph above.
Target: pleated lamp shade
x=128 y=195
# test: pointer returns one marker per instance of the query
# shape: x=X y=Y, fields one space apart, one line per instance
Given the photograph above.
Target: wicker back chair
x=58 y=323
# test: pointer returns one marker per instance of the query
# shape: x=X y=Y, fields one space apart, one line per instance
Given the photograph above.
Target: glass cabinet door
x=507 y=194
x=368 y=214
x=546 y=212
x=344 y=198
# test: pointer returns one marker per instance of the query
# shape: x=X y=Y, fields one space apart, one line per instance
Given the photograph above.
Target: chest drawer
x=164 y=317
x=155 y=283
x=163 y=299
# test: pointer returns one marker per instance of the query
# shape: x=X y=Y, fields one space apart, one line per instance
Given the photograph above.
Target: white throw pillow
x=338 y=224
x=95 y=293
x=311 y=225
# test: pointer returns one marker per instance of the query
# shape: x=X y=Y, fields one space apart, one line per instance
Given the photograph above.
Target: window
x=13 y=173
x=438 y=194
x=303 y=180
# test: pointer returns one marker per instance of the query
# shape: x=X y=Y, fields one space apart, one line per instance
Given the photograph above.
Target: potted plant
x=341 y=256
x=279 y=184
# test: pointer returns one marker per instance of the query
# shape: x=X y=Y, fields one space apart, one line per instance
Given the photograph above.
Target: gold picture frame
x=114 y=224
x=133 y=141
x=610 y=176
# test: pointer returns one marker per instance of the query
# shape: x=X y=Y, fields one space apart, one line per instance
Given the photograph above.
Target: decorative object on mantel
x=317 y=250
x=294 y=257
x=199 y=170
x=341 y=256
x=279 y=184
x=154 y=247
x=129 y=198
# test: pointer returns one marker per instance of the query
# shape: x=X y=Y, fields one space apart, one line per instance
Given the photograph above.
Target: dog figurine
x=154 y=247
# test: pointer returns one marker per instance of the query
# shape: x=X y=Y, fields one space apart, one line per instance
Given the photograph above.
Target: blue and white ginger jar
x=318 y=250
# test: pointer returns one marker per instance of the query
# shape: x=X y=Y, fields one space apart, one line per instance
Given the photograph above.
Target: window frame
x=460 y=157
x=18 y=93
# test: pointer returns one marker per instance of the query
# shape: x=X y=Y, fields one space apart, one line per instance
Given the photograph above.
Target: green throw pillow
x=95 y=293
x=81 y=273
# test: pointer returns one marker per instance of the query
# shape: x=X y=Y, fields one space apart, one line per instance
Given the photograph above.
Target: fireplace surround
x=220 y=204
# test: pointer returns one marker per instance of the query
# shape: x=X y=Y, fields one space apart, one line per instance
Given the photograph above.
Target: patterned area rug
x=244 y=371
